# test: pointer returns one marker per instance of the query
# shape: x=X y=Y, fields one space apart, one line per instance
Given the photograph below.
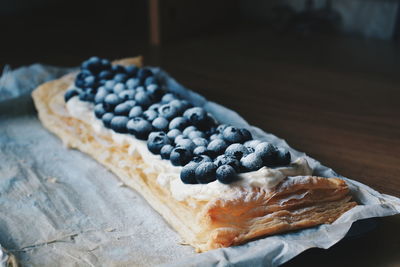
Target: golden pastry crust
x=297 y=202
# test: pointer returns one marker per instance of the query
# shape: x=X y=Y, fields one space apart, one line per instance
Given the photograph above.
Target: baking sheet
x=59 y=206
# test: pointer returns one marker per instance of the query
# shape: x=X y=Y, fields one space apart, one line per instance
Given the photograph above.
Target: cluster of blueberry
x=132 y=100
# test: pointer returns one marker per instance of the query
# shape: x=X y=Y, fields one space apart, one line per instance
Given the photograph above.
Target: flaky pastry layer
x=298 y=202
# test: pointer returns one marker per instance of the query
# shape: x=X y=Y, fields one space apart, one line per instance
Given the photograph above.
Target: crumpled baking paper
x=59 y=206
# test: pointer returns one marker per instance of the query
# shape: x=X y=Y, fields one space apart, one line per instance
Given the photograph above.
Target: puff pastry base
x=298 y=202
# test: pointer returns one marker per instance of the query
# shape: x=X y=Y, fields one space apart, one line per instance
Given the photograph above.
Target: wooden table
x=337 y=99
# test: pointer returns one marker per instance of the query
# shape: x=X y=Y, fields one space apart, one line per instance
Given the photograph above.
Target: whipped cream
x=169 y=175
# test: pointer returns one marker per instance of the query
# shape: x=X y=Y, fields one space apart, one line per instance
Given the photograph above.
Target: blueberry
x=86 y=96
x=216 y=136
x=139 y=127
x=155 y=106
x=165 y=151
x=143 y=73
x=181 y=105
x=149 y=80
x=111 y=101
x=131 y=70
x=180 y=156
x=124 y=108
x=188 y=173
x=109 y=85
x=283 y=157
x=105 y=64
x=199 y=141
x=178 y=138
x=150 y=115
x=160 y=123
x=105 y=75
x=172 y=134
x=179 y=123
x=267 y=152
x=251 y=162
x=246 y=135
x=226 y=174
x=227 y=160
x=118 y=88
x=188 y=130
x=142 y=98
x=106 y=118
x=220 y=129
x=89 y=81
x=127 y=95
x=155 y=92
x=237 y=151
x=197 y=116
x=196 y=134
x=118 y=124
x=132 y=83
x=140 y=89
x=156 y=141
x=136 y=111
x=252 y=144
x=118 y=69
x=205 y=172
x=71 y=93
x=201 y=158
x=168 y=111
x=99 y=111
x=100 y=95
x=93 y=64
x=79 y=83
x=168 y=98
x=120 y=77
x=186 y=143
x=217 y=147
x=200 y=150
x=234 y=135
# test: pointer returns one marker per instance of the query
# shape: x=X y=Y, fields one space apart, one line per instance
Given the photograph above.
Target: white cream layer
x=169 y=175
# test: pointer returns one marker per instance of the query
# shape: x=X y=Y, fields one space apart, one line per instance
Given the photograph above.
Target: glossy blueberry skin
x=149 y=80
x=165 y=151
x=186 y=143
x=200 y=150
x=89 y=82
x=227 y=160
x=118 y=88
x=127 y=95
x=120 y=77
x=201 y=158
x=139 y=127
x=217 y=147
x=267 y=152
x=251 y=162
x=124 y=108
x=71 y=93
x=226 y=174
x=283 y=157
x=155 y=106
x=180 y=156
x=106 y=118
x=189 y=129
x=168 y=111
x=220 y=129
x=160 y=124
x=118 y=69
x=236 y=150
x=143 y=73
x=150 y=115
x=205 y=172
x=181 y=105
x=188 y=173
x=118 y=124
x=246 y=135
x=179 y=123
x=172 y=134
x=155 y=92
x=109 y=85
x=252 y=144
x=86 y=96
x=156 y=141
x=131 y=70
x=197 y=116
x=232 y=134
x=100 y=95
x=132 y=83
x=142 y=98
x=99 y=111
x=93 y=64
x=200 y=141
x=111 y=101
x=179 y=138
x=136 y=111
x=105 y=75
x=167 y=98
x=215 y=136
x=196 y=134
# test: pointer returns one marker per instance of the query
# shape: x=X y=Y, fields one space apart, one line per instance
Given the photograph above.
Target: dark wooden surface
x=335 y=98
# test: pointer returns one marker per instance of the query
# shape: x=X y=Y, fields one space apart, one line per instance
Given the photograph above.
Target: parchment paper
x=60 y=207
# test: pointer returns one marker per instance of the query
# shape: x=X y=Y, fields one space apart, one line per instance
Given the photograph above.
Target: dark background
x=324 y=75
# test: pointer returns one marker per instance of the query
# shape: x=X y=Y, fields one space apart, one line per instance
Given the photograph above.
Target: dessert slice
x=213 y=183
